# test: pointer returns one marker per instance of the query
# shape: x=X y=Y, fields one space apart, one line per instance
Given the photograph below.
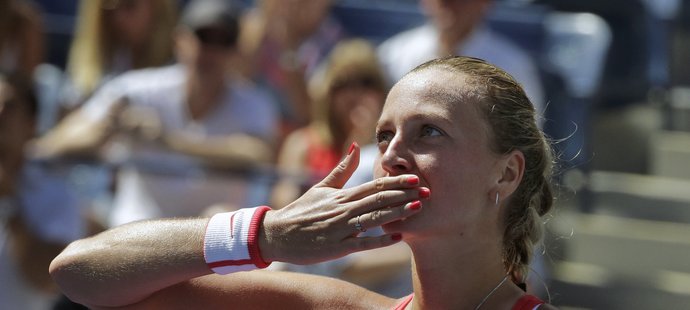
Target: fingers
x=380 y=217
x=357 y=244
x=382 y=184
x=387 y=198
x=377 y=218
x=340 y=174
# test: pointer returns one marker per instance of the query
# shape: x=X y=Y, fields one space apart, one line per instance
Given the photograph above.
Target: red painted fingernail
x=352 y=148
x=396 y=237
x=413 y=180
x=415 y=205
x=424 y=192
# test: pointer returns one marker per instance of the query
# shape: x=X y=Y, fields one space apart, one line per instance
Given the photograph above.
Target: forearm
x=128 y=263
x=77 y=135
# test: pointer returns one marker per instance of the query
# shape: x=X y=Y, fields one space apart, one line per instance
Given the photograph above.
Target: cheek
x=453 y=183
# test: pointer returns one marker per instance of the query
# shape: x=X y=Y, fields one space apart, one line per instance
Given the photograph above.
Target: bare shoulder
x=267 y=290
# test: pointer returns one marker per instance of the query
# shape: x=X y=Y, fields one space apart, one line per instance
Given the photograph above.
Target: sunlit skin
x=446 y=144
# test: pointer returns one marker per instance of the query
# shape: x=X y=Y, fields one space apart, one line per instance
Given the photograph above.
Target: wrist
x=268 y=252
x=255 y=229
x=231 y=242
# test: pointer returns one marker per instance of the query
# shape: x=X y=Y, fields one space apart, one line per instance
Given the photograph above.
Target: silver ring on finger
x=358 y=225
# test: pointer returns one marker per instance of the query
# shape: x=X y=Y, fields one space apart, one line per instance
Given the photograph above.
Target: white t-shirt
x=406 y=50
x=157 y=183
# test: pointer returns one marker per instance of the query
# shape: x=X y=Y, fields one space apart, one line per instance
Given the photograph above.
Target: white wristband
x=231 y=242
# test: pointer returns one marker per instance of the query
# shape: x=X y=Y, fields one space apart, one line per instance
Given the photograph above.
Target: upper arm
x=266 y=290
x=76 y=134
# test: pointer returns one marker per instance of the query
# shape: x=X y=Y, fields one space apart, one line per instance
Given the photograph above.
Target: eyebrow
x=443 y=117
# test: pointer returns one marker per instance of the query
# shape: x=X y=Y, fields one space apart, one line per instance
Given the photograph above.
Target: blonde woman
x=113 y=36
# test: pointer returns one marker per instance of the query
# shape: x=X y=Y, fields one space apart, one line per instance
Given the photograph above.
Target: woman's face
x=131 y=21
x=429 y=128
x=356 y=108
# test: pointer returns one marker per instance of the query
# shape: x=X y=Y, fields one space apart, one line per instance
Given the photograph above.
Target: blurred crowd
x=113 y=111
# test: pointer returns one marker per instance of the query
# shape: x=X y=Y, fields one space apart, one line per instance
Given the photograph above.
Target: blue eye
x=428 y=131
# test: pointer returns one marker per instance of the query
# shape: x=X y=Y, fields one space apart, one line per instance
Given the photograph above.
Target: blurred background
x=103 y=107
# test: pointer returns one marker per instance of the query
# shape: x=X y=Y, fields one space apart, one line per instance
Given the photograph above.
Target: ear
x=512 y=169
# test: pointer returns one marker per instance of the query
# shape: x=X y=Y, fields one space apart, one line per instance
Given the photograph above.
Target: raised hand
x=326 y=221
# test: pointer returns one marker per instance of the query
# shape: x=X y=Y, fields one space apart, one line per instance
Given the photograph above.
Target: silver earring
x=497 y=199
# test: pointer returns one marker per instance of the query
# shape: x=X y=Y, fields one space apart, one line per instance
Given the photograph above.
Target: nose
x=396 y=159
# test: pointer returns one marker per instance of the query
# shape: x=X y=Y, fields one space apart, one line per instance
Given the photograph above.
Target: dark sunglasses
x=215 y=37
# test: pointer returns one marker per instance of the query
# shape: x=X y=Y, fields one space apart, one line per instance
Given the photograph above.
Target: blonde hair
x=92 y=49
x=512 y=120
x=352 y=62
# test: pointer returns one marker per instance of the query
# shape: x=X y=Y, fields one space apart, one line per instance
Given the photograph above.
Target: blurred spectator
x=38 y=217
x=348 y=98
x=113 y=36
x=21 y=37
x=286 y=41
x=207 y=116
x=456 y=27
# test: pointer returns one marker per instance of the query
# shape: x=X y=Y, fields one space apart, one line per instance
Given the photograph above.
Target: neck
x=457 y=275
x=203 y=93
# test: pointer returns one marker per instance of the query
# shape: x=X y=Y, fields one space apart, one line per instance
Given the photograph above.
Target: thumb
x=341 y=173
